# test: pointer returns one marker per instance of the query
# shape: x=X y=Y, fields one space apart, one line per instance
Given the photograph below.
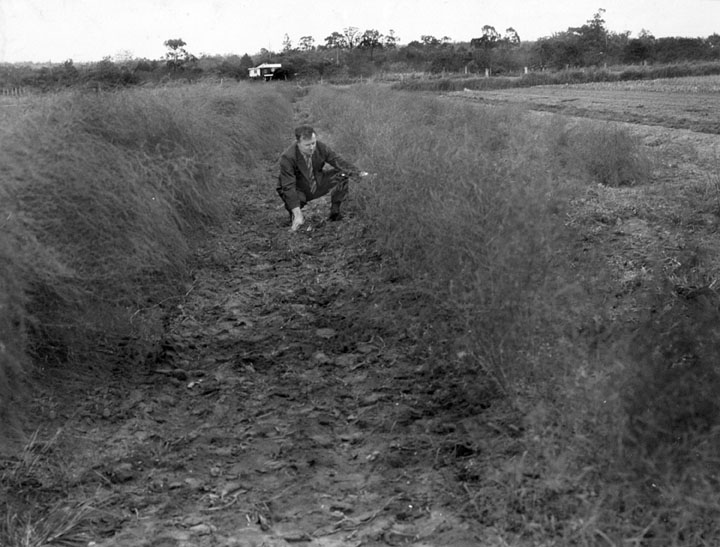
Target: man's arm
x=288 y=183
x=288 y=186
x=336 y=160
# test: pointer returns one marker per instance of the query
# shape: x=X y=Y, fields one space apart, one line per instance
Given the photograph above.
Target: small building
x=265 y=70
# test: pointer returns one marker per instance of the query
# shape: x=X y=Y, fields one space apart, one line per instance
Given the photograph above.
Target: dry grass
x=67 y=524
x=482 y=211
x=36 y=514
x=471 y=203
x=100 y=195
x=607 y=153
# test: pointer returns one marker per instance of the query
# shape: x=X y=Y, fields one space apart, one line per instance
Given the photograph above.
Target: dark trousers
x=332 y=181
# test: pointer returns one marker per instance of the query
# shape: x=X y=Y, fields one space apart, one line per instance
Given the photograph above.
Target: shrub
x=609 y=155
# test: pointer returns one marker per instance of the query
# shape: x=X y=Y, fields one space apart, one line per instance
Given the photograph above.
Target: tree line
x=351 y=53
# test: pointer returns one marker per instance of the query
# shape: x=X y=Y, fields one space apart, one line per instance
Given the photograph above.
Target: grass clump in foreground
x=616 y=443
x=101 y=194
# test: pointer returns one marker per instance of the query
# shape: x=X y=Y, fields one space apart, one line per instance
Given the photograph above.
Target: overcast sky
x=88 y=30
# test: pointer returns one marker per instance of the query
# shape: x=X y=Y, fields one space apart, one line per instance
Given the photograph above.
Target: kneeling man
x=303 y=177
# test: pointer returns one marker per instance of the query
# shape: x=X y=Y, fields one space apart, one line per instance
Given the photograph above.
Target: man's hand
x=297 y=220
x=354 y=175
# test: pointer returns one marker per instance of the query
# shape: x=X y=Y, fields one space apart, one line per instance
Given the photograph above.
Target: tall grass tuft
x=609 y=155
x=101 y=195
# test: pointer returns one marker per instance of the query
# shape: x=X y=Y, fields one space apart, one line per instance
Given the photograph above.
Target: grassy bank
x=472 y=203
x=101 y=194
x=482 y=213
x=560 y=77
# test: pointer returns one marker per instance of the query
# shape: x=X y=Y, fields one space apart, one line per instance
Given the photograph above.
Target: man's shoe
x=335 y=216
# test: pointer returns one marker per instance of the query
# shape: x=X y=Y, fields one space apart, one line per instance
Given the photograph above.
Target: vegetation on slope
x=484 y=212
x=101 y=197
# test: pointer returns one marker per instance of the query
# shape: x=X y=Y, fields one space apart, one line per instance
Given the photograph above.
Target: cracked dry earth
x=289 y=405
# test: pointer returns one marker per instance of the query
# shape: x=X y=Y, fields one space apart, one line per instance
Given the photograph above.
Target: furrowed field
x=512 y=339
x=681 y=103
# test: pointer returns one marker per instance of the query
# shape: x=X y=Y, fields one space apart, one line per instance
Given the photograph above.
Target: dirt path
x=286 y=406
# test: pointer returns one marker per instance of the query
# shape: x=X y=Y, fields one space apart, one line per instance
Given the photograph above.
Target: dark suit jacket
x=294 y=175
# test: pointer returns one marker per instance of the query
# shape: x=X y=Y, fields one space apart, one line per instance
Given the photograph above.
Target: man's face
x=307 y=146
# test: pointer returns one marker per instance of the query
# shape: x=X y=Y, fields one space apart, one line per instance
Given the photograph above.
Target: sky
x=89 y=30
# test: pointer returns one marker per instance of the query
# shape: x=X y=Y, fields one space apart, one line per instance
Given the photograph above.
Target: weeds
x=30 y=486
x=68 y=524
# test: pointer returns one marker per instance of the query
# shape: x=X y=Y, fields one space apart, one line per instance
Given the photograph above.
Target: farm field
x=312 y=389
x=681 y=103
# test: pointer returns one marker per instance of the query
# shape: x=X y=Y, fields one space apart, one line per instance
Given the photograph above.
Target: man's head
x=306 y=139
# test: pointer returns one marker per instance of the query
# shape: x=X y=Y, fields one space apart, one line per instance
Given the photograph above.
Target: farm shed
x=265 y=70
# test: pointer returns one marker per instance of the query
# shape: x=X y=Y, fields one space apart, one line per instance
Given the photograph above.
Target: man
x=303 y=179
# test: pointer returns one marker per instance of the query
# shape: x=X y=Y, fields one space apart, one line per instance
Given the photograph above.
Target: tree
x=246 y=62
x=307 y=43
x=66 y=74
x=713 y=46
x=489 y=39
x=677 y=49
x=107 y=74
x=390 y=40
x=235 y=67
x=352 y=37
x=714 y=40
x=592 y=39
x=589 y=44
x=429 y=40
x=177 y=56
x=335 y=41
x=265 y=55
x=595 y=29
x=123 y=57
x=483 y=46
x=287 y=44
x=371 y=40
x=511 y=38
